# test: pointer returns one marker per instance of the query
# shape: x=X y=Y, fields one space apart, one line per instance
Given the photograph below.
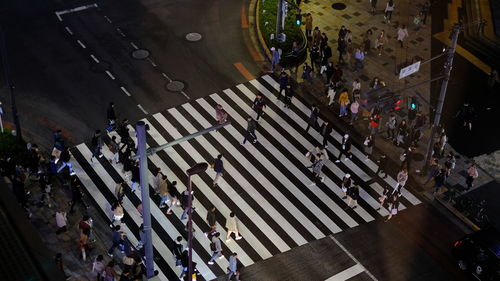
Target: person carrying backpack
x=216 y=248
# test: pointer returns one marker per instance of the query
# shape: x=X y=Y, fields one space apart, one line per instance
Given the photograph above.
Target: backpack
x=177 y=251
x=212 y=246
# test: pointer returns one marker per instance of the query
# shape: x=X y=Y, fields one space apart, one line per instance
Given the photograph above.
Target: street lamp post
x=196 y=169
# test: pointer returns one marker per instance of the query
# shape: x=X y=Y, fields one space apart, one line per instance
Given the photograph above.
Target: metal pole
x=190 y=230
x=6 y=72
x=442 y=95
x=140 y=130
x=279 y=16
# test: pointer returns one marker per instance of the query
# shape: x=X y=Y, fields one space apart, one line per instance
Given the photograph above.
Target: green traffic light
x=298 y=22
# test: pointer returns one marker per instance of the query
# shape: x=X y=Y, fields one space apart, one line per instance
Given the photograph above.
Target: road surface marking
x=81 y=44
x=152 y=62
x=110 y=75
x=106 y=17
x=58 y=17
x=242 y=69
x=77 y=9
x=352 y=257
x=142 y=109
x=347 y=274
x=187 y=97
x=94 y=58
x=244 y=20
x=165 y=75
x=69 y=30
x=120 y=32
x=125 y=91
x=134 y=45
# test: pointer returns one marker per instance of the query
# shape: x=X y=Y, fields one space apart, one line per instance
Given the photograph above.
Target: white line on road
x=69 y=30
x=165 y=75
x=110 y=75
x=352 y=257
x=134 y=45
x=106 y=17
x=94 y=58
x=77 y=9
x=120 y=32
x=348 y=273
x=125 y=91
x=81 y=44
x=152 y=62
x=58 y=17
x=187 y=97
x=143 y=110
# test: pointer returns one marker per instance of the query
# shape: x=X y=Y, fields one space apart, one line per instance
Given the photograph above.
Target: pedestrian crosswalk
x=267 y=184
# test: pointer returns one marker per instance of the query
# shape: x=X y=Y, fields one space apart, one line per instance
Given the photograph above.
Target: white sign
x=409 y=70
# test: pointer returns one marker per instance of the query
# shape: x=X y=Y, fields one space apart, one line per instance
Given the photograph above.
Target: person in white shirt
x=232 y=227
x=402 y=34
x=61 y=221
x=389 y=8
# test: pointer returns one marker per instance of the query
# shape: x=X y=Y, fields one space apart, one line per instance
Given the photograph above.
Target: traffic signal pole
x=442 y=95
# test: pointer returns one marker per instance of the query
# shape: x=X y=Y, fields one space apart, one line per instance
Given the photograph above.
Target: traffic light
x=413 y=103
x=298 y=18
x=397 y=103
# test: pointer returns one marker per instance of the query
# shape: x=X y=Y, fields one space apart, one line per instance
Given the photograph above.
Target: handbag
x=365 y=142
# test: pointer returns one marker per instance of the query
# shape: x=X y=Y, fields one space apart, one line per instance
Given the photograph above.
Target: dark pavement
x=57 y=85
x=414 y=245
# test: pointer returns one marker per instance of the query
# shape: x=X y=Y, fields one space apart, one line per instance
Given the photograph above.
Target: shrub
x=11 y=146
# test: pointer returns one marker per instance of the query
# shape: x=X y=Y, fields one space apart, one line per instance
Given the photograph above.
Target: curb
x=255 y=34
x=457 y=214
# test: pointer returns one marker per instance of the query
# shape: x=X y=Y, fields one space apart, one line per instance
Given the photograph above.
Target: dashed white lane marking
x=77 y=9
x=347 y=274
x=110 y=75
x=352 y=257
x=58 y=17
x=142 y=109
x=81 y=44
x=187 y=97
x=120 y=32
x=165 y=75
x=94 y=58
x=68 y=30
x=106 y=17
x=152 y=62
x=134 y=45
x=125 y=91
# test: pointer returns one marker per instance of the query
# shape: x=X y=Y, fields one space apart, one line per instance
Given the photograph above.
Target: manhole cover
x=100 y=67
x=175 y=86
x=193 y=37
x=339 y=6
x=140 y=54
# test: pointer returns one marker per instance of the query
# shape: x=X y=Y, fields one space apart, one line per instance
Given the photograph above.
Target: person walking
x=353 y=195
x=118 y=213
x=232 y=227
x=380 y=41
x=402 y=34
x=391 y=127
x=343 y=101
x=402 y=177
x=369 y=143
x=61 y=221
x=354 y=108
x=288 y=96
x=177 y=250
x=163 y=191
x=314 y=55
x=220 y=114
x=96 y=145
x=472 y=174
x=325 y=130
x=346 y=183
x=317 y=150
x=359 y=57
x=216 y=247
x=58 y=144
x=432 y=171
x=316 y=36
x=367 y=42
x=119 y=190
x=136 y=176
x=211 y=220
x=283 y=81
x=439 y=180
x=316 y=169
x=382 y=165
x=393 y=207
x=389 y=8
x=275 y=58
x=184 y=203
x=250 y=132
x=259 y=104
x=109 y=272
x=218 y=166
x=385 y=193
x=98 y=267
x=174 y=197
x=331 y=93
x=232 y=269
x=114 y=148
x=313 y=118
x=306 y=75
x=374 y=6
x=110 y=114
x=116 y=239
x=346 y=149
x=309 y=25
x=76 y=194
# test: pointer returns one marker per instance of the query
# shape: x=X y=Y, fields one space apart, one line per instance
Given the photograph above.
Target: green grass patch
x=267 y=14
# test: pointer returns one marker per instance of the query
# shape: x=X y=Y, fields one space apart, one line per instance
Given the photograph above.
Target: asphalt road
x=59 y=85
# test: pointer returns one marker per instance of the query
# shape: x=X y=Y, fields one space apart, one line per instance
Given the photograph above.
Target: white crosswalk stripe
x=267 y=184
